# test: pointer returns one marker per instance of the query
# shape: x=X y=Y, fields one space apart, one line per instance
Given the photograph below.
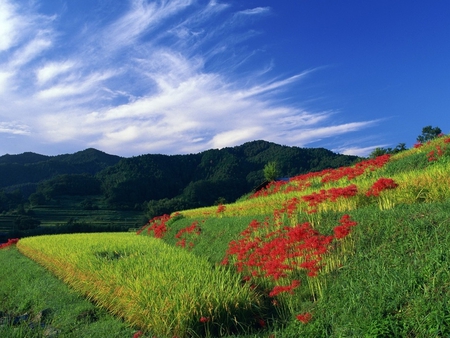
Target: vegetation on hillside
x=356 y=251
x=89 y=184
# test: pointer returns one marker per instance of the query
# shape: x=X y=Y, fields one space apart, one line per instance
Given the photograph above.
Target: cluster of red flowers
x=182 y=235
x=328 y=175
x=282 y=251
x=138 y=334
x=331 y=194
x=289 y=288
x=158 y=226
x=380 y=185
x=343 y=229
x=220 y=209
x=304 y=317
x=9 y=243
x=204 y=319
x=434 y=154
x=357 y=170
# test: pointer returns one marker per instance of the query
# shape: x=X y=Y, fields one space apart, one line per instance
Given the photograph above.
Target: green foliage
x=69 y=184
x=271 y=171
x=37 y=198
x=429 y=133
x=9 y=201
x=201 y=179
x=193 y=180
x=29 y=289
x=383 y=151
x=26 y=223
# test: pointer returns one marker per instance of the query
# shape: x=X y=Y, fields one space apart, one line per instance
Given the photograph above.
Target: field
x=360 y=251
x=68 y=211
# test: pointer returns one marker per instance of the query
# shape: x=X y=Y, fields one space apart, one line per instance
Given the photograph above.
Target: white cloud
x=255 y=11
x=141 y=17
x=15 y=128
x=52 y=70
x=235 y=136
x=155 y=95
x=75 y=87
x=30 y=51
x=316 y=134
x=10 y=25
x=4 y=77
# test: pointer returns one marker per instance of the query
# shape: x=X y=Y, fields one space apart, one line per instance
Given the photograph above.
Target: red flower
x=137 y=334
x=221 y=209
x=204 y=319
x=304 y=317
x=380 y=185
x=9 y=243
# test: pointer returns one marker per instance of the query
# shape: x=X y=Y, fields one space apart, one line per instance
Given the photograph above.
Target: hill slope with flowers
x=355 y=251
x=359 y=251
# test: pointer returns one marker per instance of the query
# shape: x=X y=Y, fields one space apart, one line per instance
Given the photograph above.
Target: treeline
x=160 y=184
x=155 y=184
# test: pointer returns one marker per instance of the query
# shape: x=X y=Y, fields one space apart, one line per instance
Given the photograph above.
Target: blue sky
x=134 y=77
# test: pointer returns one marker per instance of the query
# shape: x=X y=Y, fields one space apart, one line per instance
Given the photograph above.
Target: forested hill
x=159 y=183
x=27 y=169
x=177 y=182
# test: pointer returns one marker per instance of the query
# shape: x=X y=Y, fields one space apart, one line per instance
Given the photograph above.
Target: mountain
x=205 y=178
x=23 y=170
x=159 y=183
x=25 y=158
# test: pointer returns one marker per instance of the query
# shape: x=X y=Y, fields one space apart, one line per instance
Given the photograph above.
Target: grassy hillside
x=358 y=251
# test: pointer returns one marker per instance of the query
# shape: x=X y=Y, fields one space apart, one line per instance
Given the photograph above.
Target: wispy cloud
x=163 y=77
x=52 y=69
x=13 y=128
x=254 y=11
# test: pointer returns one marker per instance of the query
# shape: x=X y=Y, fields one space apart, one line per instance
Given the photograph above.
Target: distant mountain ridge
x=30 y=167
x=161 y=182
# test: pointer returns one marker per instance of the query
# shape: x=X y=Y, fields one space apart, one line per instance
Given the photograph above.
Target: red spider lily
x=431 y=156
x=304 y=317
x=418 y=145
x=289 y=288
x=380 y=185
x=279 y=252
x=221 y=209
x=181 y=242
x=204 y=319
x=190 y=229
x=190 y=232
x=9 y=243
x=261 y=323
x=331 y=194
x=357 y=170
x=344 y=229
x=158 y=226
x=300 y=182
x=138 y=334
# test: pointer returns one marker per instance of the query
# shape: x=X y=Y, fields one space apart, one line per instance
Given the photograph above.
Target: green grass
x=389 y=278
x=68 y=207
x=154 y=286
x=27 y=288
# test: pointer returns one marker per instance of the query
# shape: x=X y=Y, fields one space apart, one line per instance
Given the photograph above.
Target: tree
x=26 y=223
x=428 y=133
x=383 y=151
x=271 y=171
x=378 y=152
